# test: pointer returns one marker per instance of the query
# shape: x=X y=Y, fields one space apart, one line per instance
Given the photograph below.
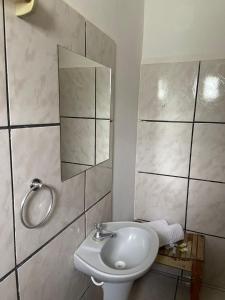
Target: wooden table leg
x=196 y=279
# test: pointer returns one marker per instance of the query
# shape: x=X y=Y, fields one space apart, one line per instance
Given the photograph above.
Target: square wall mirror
x=85 y=101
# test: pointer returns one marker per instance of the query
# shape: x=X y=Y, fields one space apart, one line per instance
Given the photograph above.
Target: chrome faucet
x=100 y=235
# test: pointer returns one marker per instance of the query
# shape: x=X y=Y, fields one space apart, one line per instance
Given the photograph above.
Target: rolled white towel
x=168 y=234
x=161 y=227
x=176 y=233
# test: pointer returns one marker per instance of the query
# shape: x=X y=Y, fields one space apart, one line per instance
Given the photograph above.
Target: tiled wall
x=38 y=264
x=180 y=171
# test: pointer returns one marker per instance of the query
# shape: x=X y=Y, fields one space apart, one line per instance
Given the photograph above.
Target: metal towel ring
x=36 y=186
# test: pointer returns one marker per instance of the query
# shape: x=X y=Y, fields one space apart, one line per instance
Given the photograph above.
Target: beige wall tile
x=32 y=58
x=8 y=288
x=101 y=212
x=164 y=148
x=208 y=152
x=160 y=197
x=98 y=184
x=211 y=92
x=42 y=161
x=206 y=208
x=50 y=274
x=6 y=213
x=100 y=47
x=167 y=91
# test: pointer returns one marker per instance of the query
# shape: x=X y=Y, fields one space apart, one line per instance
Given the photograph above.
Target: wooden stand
x=191 y=260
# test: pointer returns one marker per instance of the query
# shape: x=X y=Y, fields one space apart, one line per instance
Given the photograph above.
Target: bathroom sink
x=122 y=258
x=127 y=249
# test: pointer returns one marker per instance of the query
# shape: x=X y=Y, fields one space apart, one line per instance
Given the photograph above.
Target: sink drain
x=120 y=264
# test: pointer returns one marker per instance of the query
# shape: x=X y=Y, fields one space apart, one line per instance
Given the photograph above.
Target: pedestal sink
x=115 y=262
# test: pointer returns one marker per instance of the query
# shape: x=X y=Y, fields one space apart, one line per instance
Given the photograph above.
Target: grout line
x=182 y=122
x=28 y=126
x=7 y=274
x=33 y=125
x=207 y=234
x=182 y=177
x=86 y=210
x=165 y=121
x=85 y=39
x=58 y=233
x=10 y=147
x=73 y=163
x=83 y=294
x=177 y=283
x=17 y=266
x=95 y=116
x=48 y=242
x=85 y=118
x=159 y=174
x=191 y=146
x=85 y=184
x=208 y=122
x=207 y=180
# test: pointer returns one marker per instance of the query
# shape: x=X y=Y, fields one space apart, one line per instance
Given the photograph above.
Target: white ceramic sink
x=119 y=259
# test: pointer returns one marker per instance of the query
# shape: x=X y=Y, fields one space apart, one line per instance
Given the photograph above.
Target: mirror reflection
x=85 y=99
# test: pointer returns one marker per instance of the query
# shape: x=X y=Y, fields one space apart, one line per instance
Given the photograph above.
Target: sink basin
x=124 y=257
x=128 y=250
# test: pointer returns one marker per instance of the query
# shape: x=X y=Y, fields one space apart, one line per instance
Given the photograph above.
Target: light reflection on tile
x=211 y=92
x=167 y=91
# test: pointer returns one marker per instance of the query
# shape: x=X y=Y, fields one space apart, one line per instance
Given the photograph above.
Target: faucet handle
x=99 y=226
